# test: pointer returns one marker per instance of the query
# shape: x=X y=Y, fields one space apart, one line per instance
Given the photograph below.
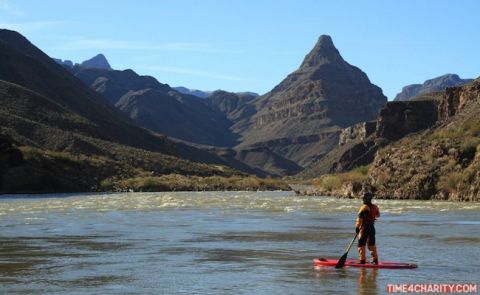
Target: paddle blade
x=341 y=261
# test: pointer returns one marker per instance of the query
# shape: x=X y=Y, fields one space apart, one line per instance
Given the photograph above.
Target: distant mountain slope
x=25 y=65
x=66 y=131
x=236 y=106
x=194 y=92
x=433 y=85
x=300 y=119
x=158 y=107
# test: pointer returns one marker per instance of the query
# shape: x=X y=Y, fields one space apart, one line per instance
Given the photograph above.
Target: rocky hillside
x=158 y=107
x=23 y=64
x=440 y=162
x=301 y=118
x=59 y=135
x=433 y=85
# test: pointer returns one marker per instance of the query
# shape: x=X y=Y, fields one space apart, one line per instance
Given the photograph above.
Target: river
x=224 y=243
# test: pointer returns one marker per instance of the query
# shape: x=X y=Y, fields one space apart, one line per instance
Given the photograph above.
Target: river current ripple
x=223 y=243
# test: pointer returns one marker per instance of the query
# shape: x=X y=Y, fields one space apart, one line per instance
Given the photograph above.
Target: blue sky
x=252 y=45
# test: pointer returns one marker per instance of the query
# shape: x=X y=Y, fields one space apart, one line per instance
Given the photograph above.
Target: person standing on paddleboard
x=365 y=228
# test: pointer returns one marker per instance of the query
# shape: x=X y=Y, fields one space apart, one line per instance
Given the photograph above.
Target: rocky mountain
x=297 y=122
x=203 y=122
x=61 y=135
x=98 y=62
x=158 y=107
x=301 y=118
x=433 y=85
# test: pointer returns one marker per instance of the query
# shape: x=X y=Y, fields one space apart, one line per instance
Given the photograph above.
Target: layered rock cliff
x=301 y=118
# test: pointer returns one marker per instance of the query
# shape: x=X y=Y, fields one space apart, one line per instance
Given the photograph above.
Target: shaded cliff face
x=433 y=85
x=301 y=117
x=398 y=119
x=177 y=115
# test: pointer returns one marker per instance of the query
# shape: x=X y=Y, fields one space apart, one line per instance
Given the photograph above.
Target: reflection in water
x=367 y=281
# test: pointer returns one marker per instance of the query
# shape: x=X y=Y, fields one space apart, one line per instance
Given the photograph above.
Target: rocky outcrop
x=358 y=131
x=456 y=98
x=398 y=119
x=432 y=85
x=324 y=95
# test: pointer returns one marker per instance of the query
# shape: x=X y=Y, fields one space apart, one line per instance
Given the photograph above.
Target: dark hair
x=367 y=197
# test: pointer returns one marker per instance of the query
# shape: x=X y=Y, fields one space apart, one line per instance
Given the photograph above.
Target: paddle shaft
x=351 y=243
x=341 y=261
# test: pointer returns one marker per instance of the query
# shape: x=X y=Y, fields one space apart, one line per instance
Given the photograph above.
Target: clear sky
x=251 y=45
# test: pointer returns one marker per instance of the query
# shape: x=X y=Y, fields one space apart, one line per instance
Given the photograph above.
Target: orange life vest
x=367 y=215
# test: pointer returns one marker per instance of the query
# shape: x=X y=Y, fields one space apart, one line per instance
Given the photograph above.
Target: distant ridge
x=205 y=94
x=432 y=85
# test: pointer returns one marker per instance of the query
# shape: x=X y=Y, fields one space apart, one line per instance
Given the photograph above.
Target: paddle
x=341 y=261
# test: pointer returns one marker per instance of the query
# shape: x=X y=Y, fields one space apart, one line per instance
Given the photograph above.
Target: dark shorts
x=367 y=236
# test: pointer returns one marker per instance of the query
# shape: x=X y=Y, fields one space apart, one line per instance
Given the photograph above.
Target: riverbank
x=355 y=191
x=177 y=182
x=32 y=170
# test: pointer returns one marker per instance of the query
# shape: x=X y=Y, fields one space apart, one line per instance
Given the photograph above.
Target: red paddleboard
x=322 y=262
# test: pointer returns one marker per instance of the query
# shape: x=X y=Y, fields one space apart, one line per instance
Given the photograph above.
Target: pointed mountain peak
x=323 y=52
x=99 y=61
